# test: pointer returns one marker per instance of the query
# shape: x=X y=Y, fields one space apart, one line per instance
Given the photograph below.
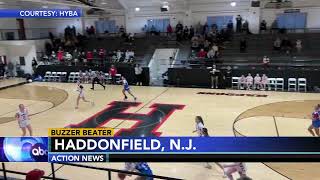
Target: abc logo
x=39 y=152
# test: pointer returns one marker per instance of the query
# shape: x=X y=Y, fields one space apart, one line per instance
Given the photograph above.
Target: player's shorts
x=149 y=172
x=316 y=124
x=126 y=88
x=23 y=124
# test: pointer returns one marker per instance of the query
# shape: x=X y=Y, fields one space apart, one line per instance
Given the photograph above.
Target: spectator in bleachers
x=205 y=29
x=299 y=45
x=286 y=45
x=195 y=43
x=153 y=30
x=89 y=58
x=191 y=32
x=102 y=54
x=53 y=56
x=138 y=73
x=202 y=54
x=249 y=82
x=274 y=27
x=198 y=28
x=119 y=55
x=113 y=72
x=264 y=82
x=122 y=30
x=179 y=34
x=81 y=76
x=230 y=26
x=277 y=44
x=266 y=61
x=179 y=27
x=60 y=55
x=243 y=45
x=245 y=27
x=239 y=23
x=169 y=30
x=186 y=33
x=242 y=82
x=206 y=45
x=68 y=58
x=127 y=55
x=257 y=82
x=213 y=53
x=92 y=30
x=131 y=54
x=263 y=26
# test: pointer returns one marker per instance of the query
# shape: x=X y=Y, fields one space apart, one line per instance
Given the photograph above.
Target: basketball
x=121 y=176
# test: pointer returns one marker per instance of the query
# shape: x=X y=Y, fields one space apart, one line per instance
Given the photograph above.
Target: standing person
x=95 y=79
x=141 y=167
x=266 y=61
x=239 y=167
x=299 y=45
x=23 y=120
x=138 y=73
x=113 y=72
x=34 y=65
x=126 y=88
x=264 y=81
x=199 y=125
x=214 y=77
x=315 y=122
x=239 y=23
x=81 y=96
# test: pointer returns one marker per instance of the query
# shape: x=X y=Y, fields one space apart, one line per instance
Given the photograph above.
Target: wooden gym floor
x=229 y=114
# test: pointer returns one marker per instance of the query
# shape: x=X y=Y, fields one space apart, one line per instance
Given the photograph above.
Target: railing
x=108 y=170
x=30 y=33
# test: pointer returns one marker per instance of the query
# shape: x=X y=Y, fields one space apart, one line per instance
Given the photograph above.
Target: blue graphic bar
x=65 y=157
x=200 y=145
x=40 y=13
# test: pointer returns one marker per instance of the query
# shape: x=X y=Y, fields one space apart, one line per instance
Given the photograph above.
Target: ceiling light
x=233 y=4
x=137 y=9
x=103 y=3
x=45 y=7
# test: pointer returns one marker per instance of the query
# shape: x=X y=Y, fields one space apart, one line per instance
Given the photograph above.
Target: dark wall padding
x=126 y=70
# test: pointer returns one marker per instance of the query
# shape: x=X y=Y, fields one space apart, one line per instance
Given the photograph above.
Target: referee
x=95 y=79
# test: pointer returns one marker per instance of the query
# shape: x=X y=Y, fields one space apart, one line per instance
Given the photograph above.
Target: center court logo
x=26 y=149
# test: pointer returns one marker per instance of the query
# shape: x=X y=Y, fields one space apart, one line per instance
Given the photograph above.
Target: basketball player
x=126 y=88
x=264 y=81
x=81 y=95
x=23 y=120
x=315 y=122
x=242 y=82
x=199 y=125
x=141 y=167
x=206 y=134
x=95 y=79
x=257 y=82
x=235 y=167
x=249 y=81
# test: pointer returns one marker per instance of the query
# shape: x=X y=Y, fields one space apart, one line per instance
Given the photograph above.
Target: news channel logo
x=26 y=149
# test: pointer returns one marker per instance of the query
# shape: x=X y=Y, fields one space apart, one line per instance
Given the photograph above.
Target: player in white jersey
x=126 y=88
x=199 y=125
x=257 y=82
x=23 y=120
x=249 y=81
x=235 y=167
x=81 y=95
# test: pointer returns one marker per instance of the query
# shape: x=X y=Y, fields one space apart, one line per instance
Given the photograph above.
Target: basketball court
x=225 y=113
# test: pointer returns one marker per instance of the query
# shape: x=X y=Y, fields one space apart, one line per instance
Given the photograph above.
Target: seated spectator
x=215 y=48
x=102 y=54
x=265 y=61
x=81 y=76
x=274 y=26
x=206 y=45
x=89 y=58
x=213 y=53
x=263 y=26
x=245 y=27
x=242 y=82
x=68 y=57
x=119 y=55
x=264 y=82
x=60 y=55
x=35 y=174
x=286 y=45
x=277 y=44
x=249 y=82
x=131 y=54
x=153 y=30
x=194 y=43
x=230 y=26
x=299 y=45
x=202 y=54
x=257 y=82
x=127 y=56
